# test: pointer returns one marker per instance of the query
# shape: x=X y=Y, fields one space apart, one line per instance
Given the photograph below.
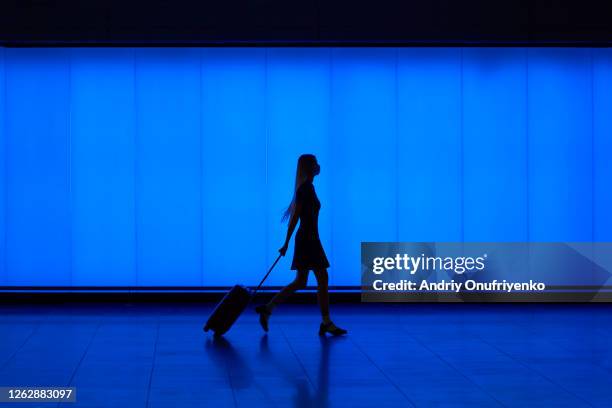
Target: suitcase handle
x=269 y=270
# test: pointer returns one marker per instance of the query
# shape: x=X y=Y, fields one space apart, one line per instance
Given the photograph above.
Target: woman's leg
x=301 y=278
x=322 y=293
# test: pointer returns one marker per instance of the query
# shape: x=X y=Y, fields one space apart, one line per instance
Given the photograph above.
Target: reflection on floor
x=396 y=355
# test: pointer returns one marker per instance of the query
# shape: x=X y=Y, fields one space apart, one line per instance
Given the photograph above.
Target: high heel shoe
x=264 y=315
x=332 y=329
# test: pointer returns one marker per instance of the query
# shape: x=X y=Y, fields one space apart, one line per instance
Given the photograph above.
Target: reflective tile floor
x=396 y=355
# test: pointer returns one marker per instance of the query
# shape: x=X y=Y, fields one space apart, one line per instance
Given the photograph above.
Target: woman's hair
x=305 y=169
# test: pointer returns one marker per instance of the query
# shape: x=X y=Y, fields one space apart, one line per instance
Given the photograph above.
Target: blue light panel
x=37 y=212
x=168 y=158
x=298 y=113
x=429 y=144
x=494 y=106
x=102 y=158
x=602 y=144
x=560 y=131
x=2 y=174
x=166 y=167
x=363 y=150
x=234 y=194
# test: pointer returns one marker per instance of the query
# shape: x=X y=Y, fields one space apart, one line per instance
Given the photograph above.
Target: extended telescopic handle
x=269 y=270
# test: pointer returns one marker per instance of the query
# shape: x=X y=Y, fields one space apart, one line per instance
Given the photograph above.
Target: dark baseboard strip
x=159 y=297
x=306 y=296
x=75 y=43
x=39 y=289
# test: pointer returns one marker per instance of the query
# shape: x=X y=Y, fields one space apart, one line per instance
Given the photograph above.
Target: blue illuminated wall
x=164 y=167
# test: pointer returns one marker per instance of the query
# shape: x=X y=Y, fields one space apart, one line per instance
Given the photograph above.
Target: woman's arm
x=292 y=223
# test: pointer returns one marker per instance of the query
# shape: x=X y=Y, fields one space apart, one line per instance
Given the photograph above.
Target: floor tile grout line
x=560 y=347
x=383 y=373
x=93 y=336
x=78 y=365
x=518 y=325
x=23 y=343
x=605 y=368
x=231 y=383
x=501 y=325
x=153 y=363
x=455 y=369
x=519 y=361
x=230 y=380
x=298 y=360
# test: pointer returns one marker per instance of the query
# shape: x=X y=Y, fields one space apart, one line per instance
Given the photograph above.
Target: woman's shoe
x=332 y=329
x=264 y=314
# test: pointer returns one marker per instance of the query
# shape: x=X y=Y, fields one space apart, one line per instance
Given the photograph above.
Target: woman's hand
x=283 y=250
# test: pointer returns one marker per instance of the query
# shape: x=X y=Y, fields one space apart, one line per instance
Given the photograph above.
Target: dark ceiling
x=306 y=21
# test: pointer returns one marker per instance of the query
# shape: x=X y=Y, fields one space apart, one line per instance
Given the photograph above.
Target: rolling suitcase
x=232 y=305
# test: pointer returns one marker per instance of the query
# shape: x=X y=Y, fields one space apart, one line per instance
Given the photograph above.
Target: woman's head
x=307 y=169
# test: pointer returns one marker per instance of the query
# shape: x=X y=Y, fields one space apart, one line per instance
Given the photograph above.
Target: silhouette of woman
x=308 y=251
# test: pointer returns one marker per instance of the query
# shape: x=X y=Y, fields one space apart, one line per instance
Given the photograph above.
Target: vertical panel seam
x=592 y=91
x=69 y=160
x=330 y=135
x=4 y=164
x=527 y=140
x=267 y=188
x=201 y=170
x=527 y=164
x=593 y=168
x=397 y=137
x=135 y=164
x=462 y=210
